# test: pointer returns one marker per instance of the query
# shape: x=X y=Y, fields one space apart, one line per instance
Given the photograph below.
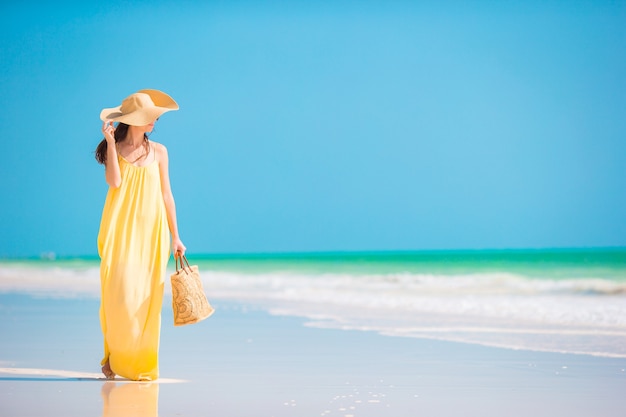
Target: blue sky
x=322 y=126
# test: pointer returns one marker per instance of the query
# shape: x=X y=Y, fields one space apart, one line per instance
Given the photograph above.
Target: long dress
x=133 y=244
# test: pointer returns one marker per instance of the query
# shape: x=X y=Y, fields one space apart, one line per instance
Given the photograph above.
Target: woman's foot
x=106 y=370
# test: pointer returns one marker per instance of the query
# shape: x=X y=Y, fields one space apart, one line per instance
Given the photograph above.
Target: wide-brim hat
x=140 y=108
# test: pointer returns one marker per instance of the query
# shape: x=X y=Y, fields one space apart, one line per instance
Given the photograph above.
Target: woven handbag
x=189 y=302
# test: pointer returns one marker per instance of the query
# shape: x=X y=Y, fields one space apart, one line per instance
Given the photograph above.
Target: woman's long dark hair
x=120 y=134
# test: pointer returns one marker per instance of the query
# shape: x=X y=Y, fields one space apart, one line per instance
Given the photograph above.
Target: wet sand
x=244 y=361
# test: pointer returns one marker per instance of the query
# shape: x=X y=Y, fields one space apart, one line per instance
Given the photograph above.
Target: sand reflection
x=130 y=399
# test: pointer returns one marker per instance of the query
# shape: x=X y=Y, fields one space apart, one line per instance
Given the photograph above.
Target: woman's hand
x=178 y=248
x=109 y=132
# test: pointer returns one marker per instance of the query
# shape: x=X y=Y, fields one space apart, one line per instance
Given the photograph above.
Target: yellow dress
x=133 y=244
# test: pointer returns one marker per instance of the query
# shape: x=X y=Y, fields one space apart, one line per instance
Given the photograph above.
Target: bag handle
x=181 y=260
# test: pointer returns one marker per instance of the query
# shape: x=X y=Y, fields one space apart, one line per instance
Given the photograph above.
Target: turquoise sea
x=565 y=300
x=605 y=263
x=547 y=263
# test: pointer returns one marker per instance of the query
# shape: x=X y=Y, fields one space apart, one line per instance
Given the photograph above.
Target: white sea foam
x=586 y=316
x=50 y=281
x=579 y=302
x=69 y=375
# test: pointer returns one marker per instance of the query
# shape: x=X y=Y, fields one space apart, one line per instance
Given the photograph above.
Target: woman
x=134 y=238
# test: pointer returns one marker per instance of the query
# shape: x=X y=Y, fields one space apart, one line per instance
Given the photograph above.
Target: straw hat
x=140 y=108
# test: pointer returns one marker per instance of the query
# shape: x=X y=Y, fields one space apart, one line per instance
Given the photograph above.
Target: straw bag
x=189 y=302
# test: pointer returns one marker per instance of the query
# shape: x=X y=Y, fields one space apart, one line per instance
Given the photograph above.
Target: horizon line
x=52 y=256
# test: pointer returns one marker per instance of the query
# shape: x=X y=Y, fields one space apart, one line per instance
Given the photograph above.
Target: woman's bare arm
x=112 y=172
x=168 y=198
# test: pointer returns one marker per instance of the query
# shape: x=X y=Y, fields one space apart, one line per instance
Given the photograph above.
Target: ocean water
x=571 y=301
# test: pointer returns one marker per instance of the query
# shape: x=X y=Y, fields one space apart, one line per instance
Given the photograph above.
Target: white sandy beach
x=246 y=362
